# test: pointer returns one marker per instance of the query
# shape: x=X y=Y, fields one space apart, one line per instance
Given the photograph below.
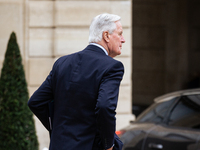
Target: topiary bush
x=17 y=129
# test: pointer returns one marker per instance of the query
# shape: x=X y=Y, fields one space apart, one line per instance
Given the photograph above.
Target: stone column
x=176 y=53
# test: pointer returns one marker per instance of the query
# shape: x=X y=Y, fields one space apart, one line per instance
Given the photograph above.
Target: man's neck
x=103 y=45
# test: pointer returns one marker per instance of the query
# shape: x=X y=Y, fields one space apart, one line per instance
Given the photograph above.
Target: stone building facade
x=161 y=53
x=48 y=29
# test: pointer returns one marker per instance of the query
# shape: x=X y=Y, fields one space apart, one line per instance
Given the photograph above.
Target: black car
x=172 y=122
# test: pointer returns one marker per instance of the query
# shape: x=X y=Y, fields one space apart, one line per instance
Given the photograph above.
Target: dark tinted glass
x=156 y=112
x=186 y=113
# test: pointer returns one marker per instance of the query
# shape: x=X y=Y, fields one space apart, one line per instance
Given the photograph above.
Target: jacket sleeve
x=107 y=103
x=39 y=101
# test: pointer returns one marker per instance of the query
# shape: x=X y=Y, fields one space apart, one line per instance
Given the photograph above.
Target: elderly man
x=84 y=88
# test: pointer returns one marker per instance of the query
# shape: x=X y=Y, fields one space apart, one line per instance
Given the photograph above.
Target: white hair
x=101 y=23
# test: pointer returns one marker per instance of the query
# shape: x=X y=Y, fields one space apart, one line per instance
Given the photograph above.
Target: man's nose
x=122 y=39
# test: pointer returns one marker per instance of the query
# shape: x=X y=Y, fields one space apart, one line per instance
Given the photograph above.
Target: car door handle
x=155 y=146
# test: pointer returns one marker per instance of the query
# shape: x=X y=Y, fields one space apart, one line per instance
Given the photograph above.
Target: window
x=156 y=112
x=186 y=113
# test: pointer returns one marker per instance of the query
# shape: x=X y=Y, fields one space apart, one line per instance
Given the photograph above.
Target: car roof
x=172 y=95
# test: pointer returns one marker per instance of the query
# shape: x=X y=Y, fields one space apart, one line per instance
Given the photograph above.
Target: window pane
x=186 y=113
x=156 y=112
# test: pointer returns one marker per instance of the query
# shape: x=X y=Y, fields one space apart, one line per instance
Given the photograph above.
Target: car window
x=156 y=112
x=186 y=113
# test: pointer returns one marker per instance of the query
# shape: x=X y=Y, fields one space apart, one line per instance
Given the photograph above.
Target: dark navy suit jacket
x=84 y=89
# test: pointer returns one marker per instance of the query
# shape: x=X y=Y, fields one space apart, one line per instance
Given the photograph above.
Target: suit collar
x=100 y=47
x=95 y=49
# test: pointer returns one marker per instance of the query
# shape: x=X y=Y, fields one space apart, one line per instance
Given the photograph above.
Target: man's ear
x=106 y=36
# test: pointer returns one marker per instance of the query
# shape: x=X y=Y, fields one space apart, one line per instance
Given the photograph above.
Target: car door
x=171 y=138
x=181 y=129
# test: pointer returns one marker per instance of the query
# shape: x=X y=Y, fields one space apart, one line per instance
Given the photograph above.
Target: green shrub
x=17 y=129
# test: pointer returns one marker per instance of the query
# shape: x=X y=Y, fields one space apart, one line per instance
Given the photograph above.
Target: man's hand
x=109 y=148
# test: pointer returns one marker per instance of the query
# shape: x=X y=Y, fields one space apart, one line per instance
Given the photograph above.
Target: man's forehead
x=118 y=24
x=119 y=28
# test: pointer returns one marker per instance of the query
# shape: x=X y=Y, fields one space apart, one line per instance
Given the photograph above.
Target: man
x=84 y=87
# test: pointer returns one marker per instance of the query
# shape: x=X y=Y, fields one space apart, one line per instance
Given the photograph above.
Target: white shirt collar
x=100 y=47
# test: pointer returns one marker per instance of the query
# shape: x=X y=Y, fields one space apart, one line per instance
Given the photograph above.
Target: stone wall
x=161 y=48
x=194 y=44
x=48 y=29
x=148 y=50
x=12 y=19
